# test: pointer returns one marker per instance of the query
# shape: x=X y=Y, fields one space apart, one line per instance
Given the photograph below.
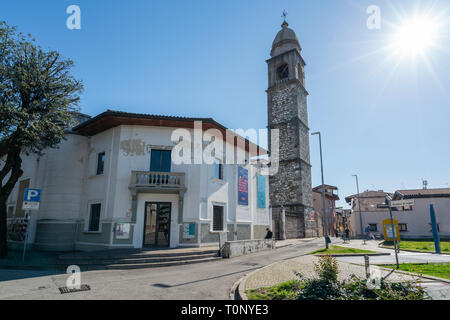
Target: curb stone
x=241 y=286
x=234 y=290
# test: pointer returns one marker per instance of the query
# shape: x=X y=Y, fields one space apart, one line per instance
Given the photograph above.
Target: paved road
x=205 y=281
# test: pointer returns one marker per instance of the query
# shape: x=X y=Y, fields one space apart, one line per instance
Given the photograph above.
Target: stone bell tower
x=290 y=189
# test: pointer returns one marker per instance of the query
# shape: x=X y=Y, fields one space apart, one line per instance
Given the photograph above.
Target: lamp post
x=323 y=192
x=359 y=205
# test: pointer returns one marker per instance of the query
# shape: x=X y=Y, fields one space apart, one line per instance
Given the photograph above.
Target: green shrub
x=327 y=269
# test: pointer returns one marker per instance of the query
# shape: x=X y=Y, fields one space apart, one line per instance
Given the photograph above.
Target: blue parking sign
x=32 y=195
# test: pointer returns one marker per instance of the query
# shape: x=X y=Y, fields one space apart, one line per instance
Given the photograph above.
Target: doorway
x=157 y=224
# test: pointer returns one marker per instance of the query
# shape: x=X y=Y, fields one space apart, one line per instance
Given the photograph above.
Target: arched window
x=283 y=71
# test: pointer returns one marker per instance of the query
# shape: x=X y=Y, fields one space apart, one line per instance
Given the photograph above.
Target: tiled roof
x=422 y=193
x=368 y=194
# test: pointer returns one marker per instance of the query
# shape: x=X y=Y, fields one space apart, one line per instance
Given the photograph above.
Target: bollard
x=367 y=265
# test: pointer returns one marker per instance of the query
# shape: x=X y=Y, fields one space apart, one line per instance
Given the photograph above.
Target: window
x=160 y=160
x=218 y=170
x=431 y=228
x=100 y=163
x=94 y=218
x=373 y=227
x=217 y=218
x=283 y=71
x=402 y=227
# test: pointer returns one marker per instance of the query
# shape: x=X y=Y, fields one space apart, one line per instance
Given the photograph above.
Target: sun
x=415 y=36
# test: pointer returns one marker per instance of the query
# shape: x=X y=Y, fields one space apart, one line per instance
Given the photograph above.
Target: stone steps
x=159 y=264
x=131 y=260
x=135 y=259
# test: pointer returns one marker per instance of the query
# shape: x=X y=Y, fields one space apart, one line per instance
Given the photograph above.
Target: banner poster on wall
x=261 y=182
x=242 y=186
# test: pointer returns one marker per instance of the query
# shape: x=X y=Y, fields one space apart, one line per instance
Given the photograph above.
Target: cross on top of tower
x=284 y=15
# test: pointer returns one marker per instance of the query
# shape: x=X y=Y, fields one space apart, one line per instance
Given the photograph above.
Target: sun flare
x=415 y=36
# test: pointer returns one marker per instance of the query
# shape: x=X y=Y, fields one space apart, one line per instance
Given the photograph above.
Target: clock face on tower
x=283 y=71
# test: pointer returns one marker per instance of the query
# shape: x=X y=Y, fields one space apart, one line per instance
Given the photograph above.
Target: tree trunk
x=3 y=236
x=5 y=191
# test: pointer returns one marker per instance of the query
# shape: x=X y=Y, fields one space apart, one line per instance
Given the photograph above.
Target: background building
x=330 y=205
x=414 y=221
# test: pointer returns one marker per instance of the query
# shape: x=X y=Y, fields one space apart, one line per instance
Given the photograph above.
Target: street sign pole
x=394 y=235
x=31 y=200
x=437 y=244
x=28 y=217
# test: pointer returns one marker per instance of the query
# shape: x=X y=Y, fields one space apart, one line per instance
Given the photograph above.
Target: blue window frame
x=160 y=160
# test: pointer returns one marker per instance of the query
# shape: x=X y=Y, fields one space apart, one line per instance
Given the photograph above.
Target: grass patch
x=420 y=245
x=283 y=291
x=338 y=250
x=440 y=270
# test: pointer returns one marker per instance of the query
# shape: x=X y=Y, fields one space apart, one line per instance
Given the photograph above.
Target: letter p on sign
x=32 y=195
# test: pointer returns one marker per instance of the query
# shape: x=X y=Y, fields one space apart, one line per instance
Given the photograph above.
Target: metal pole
x=28 y=217
x=359 y=205
x=437 y=244
x=394 y=233
x=323 y=193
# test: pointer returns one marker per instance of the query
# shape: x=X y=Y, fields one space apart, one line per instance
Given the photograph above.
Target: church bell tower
x=290 y=189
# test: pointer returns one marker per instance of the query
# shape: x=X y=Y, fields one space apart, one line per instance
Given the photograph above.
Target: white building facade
x=112 y=184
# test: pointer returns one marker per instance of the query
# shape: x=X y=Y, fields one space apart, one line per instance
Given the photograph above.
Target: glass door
x=157 y=224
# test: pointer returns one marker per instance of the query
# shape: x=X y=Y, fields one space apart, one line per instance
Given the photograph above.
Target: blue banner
x=261 y=184
x=242 y=186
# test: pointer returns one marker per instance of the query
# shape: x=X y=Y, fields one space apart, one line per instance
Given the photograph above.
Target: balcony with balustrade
x=157 y=182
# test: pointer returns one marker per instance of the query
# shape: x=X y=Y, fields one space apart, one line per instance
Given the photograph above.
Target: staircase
x=122 y=259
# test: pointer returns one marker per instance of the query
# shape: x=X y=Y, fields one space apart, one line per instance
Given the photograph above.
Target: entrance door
x=157 y=224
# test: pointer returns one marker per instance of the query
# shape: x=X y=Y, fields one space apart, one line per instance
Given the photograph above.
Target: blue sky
x=383 y=117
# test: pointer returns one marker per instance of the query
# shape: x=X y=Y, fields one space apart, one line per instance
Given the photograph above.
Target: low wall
x=243 y=247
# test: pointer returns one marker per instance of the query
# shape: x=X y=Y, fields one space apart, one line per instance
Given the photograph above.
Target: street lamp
x=323 y=192
x=359 y=205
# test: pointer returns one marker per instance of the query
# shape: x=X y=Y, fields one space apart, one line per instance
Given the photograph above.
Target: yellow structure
x=387 y=230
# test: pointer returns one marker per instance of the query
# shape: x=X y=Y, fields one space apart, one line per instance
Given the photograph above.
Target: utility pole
x=323 y=192
x=359 y=206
